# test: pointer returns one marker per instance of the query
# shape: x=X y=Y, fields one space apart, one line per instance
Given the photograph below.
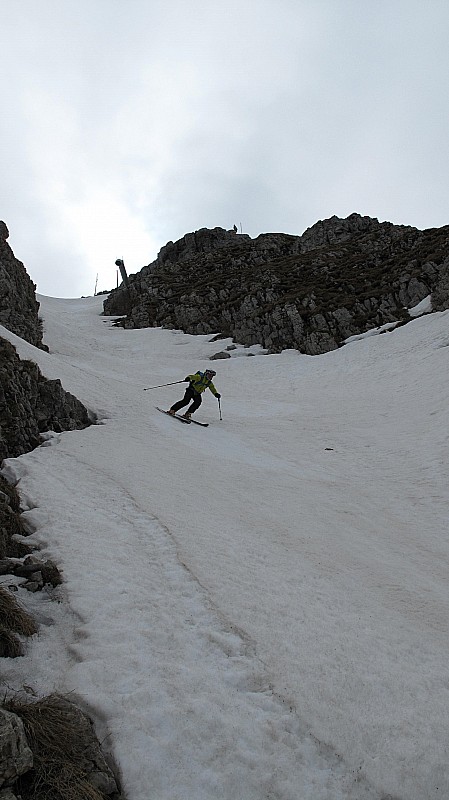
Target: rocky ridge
x=342 y=277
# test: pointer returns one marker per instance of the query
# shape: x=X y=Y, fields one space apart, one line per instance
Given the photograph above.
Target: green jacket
x=199 y=383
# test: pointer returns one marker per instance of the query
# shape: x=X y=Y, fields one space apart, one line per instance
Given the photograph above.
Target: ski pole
x=219 y=408
x=162 y=384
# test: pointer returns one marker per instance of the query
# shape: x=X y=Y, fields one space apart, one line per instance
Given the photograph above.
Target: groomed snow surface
x=258 y=610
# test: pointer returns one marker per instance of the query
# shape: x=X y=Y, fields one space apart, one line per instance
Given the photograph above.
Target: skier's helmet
x=210 y=373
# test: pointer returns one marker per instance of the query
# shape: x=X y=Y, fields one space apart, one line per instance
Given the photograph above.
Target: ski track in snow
x=173 y=628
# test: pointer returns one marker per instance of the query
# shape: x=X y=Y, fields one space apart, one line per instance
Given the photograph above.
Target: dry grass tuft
x=13 y=617
x=57 y=740
x=10 y=644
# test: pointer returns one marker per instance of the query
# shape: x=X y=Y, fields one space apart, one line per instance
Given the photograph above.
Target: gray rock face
x=10 y=525
x=440 y=294
x=203 y=241
x=7 y=794
x=30 y=405
x=335 y=230
x=15 y=755
x=310 y=292
x=18 y=305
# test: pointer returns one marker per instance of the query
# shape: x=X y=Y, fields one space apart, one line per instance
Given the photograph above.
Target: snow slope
x=258 y=609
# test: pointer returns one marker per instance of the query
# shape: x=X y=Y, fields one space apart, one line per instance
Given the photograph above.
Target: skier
x=197 y=384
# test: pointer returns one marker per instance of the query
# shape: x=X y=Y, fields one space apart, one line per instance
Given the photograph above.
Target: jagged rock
x=30 y=404
x=336 y=230
x=10 y=525
x=310 y=292
x=36 y=570
x=18 y=305
x=15 y=755
x=7 y=794
x=440 y=294
x=25 y=568
x=205 y=241
x=33 y=586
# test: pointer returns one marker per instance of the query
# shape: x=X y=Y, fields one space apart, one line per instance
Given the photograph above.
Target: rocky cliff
x=29 y=403
x=310 y=292
x=18 y=305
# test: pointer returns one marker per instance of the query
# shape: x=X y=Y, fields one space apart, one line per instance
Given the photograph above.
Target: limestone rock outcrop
x=15 y=755
x=19 y=309
x=310 y=292
x=30 y=405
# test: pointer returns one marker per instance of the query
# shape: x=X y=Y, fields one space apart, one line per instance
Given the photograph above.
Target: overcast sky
x=127 y=123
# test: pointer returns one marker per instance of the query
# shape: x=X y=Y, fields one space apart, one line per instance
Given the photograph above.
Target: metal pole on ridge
x=162 y=384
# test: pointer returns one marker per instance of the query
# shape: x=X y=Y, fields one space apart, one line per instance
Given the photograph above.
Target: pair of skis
x=183 y=419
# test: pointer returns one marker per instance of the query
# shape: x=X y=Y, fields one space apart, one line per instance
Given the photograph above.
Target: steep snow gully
x=258 y=609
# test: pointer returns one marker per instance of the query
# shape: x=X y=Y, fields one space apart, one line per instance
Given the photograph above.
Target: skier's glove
x=218 y=396
x=186 y=380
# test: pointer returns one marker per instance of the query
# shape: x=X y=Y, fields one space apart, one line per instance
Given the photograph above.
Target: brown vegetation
x=58 y=745
x=13 y=616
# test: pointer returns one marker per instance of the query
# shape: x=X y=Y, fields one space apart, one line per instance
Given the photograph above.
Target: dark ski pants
x=189 y=396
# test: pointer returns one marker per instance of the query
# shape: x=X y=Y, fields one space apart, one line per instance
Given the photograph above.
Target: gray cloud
x=127 y=125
